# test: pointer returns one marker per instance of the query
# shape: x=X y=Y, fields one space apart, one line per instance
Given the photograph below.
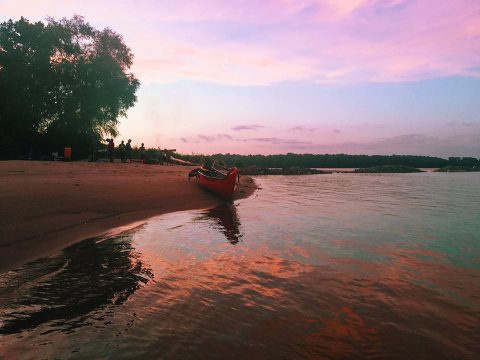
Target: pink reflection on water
x=348 y=306
x=299 y=300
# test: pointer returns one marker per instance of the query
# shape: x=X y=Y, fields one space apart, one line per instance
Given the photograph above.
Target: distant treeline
x=331 y=161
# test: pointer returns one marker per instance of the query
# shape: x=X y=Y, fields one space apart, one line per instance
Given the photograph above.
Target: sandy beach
x=46 y=206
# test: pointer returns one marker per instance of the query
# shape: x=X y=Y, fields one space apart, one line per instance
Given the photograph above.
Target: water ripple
x=340 y=266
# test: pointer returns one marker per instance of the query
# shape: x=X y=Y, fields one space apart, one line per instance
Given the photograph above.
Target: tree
x=63 y=83
x=24 y=80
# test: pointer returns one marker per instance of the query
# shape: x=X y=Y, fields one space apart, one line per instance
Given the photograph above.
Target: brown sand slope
x=46 y=206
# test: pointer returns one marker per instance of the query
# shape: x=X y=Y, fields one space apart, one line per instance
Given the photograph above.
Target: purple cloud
x=247 y=127
x=460 y=124
x=368 y=126
x=303 y=128
x=206 y=138
x=409 y=144
x=287 y=143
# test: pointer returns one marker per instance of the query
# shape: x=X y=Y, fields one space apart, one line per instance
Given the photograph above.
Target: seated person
x=209 y=167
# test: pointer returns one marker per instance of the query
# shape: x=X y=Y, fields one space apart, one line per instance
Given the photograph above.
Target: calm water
x=334 y=266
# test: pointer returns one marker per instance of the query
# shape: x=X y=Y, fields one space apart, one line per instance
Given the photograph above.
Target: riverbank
x=388 y=169
x=47 y=206
x=255 y=171
x=458 y=168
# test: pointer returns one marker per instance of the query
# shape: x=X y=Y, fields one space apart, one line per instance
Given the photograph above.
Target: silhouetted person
x=209 y=167
x=121 y=151
x=128 y=150
x=209 y=164
x=110 y=149
x=142 y=153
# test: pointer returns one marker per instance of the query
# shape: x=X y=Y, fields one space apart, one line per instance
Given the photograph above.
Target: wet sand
x=46 y=206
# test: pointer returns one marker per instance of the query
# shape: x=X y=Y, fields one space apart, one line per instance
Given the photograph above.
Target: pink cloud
x=406 y=144
x=232 y=63
x=326 y=41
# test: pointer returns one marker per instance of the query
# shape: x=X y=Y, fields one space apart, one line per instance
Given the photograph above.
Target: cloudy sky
x=277 y=76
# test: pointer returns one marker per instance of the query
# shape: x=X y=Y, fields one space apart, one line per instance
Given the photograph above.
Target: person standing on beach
x=128 y=150
x=110 y=148
x=142 y=153
x=121 y=151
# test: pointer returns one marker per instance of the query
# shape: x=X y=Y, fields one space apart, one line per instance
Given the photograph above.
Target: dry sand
x=46 y=206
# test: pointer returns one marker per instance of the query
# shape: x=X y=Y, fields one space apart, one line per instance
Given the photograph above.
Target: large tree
x=61 y=83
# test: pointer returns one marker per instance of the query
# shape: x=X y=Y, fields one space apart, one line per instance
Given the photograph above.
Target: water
x=322 y=266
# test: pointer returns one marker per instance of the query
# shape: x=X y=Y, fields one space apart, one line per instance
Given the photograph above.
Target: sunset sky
x=318 y=76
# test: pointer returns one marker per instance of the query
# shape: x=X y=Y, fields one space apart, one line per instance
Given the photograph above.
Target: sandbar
x=47 y=206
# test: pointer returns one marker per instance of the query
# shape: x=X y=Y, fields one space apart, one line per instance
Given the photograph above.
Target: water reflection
x=342 y=267
x=60 y=290
x=226 y=219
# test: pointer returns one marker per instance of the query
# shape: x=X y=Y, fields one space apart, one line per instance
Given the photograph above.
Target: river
x=318 y=266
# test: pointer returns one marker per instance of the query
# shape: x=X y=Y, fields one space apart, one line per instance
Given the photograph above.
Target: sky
x=303 y=76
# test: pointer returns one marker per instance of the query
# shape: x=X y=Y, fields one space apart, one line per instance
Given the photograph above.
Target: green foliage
x=320 y=161
x=465 y=161
x=62 y=83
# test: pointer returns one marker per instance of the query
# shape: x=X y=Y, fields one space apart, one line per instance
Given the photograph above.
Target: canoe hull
x=223 y=187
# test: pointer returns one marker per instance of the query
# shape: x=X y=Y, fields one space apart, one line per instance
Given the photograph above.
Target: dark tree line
x=332 y=161
x=62 y=83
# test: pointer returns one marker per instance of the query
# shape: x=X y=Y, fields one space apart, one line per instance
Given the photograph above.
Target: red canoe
x=220 y=184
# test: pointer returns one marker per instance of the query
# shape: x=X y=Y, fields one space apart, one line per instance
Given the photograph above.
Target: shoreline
x=47 y=206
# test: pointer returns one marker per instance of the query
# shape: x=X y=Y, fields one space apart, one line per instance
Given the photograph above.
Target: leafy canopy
x=61 y=83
